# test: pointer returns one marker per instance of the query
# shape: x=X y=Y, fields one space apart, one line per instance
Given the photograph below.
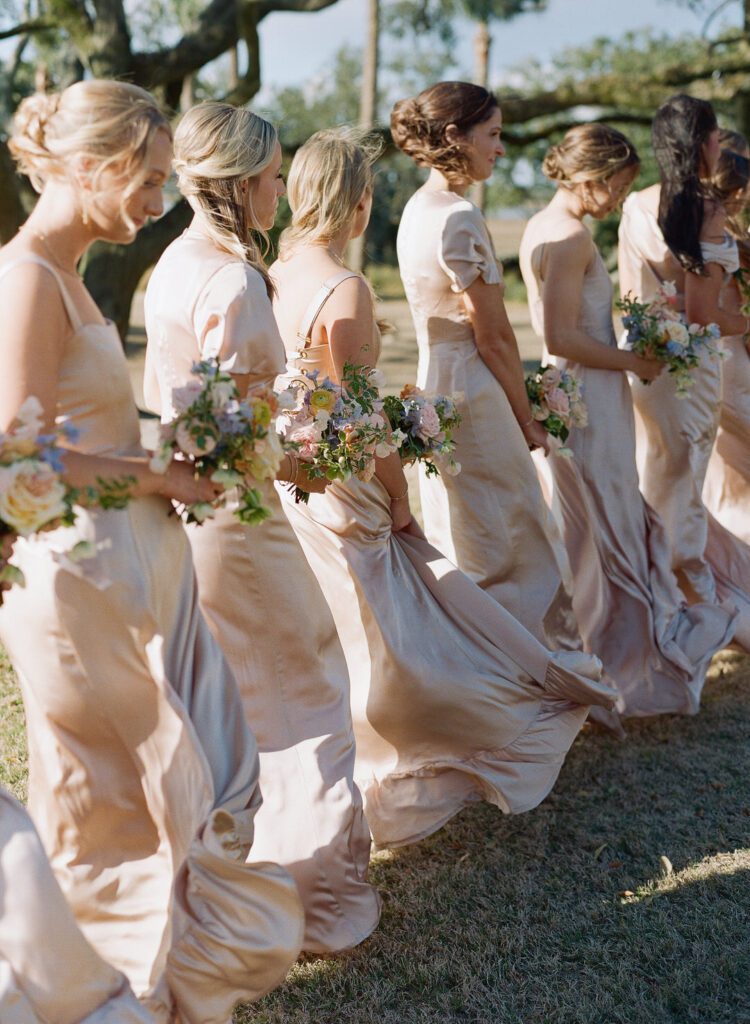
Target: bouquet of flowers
x=556 y=402
x=229 y=439
x=337 y=431
x=33 y=494
x=423 y=428
x=657 y=330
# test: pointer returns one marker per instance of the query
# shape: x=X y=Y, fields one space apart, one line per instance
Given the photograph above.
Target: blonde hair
x=113 y=124
x=217 y=147
x=329 y=175
x=589 y=152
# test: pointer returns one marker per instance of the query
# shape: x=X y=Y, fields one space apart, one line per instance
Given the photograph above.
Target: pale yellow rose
x=31 y=495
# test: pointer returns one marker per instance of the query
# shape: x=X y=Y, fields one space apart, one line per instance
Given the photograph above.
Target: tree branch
x=215 y=31
x=26 y=27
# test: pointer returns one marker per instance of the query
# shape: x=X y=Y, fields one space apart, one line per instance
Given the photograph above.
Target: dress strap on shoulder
x=317 y=302
x=70 y=307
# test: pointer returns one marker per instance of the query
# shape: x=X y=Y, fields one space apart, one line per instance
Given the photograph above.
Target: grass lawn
x=623 y=899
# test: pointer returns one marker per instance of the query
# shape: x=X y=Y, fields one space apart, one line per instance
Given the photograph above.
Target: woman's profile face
x=603 y=197
x=105 y=209
x=264 y=192
x=482 y=146
x=711 y=151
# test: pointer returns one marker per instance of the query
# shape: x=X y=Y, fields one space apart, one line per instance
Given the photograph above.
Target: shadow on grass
x=625 y=897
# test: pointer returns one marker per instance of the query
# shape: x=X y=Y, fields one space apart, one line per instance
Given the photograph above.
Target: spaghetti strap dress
x=626 y=598
x=453 y=700
x=143 y=773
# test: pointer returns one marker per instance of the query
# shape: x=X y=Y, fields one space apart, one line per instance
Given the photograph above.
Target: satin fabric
x=726 y=491
x=625 y=595
x=490 y=520
x=49 y=974
x=265 y=608
x=143 y=774
x=453 y=701
x=679 y=433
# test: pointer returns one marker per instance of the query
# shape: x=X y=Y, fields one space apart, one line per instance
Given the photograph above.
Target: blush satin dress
x=679 y=433
x=143 y=774
x=265 y=608
x=627 y=602
x=491 y=520
x=453 y=700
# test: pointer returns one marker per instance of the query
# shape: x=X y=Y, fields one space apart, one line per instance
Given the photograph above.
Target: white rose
x=677 y=332
x=31 y=495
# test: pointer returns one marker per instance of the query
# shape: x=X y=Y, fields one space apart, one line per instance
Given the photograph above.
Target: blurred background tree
x=187 y=50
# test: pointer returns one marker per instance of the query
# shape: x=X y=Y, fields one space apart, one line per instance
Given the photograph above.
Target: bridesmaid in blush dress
x=677 y=231
x=726 y=491
x=49 y=974
x=209 y=296
x=625 y=596
x=492 y=520
x=452 y=699
x=143 y=775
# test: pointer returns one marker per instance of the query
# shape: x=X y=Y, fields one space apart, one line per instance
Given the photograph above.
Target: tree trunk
x=368 y=109
x=482 y=45
x=112 y=272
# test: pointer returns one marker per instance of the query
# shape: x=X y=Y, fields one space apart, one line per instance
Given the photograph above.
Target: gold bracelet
x=400 y=497
x=293 y=467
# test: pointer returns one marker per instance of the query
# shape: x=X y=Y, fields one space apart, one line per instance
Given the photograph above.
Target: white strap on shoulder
x=70 y=308
x=319 y=300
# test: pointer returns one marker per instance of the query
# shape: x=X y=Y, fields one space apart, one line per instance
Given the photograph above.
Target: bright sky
x=296 y=46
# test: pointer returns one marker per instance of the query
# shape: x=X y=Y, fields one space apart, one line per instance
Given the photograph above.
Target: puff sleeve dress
x=265 y=608
x=491 y=520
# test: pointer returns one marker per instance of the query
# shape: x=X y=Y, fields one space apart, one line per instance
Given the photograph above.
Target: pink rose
x=429 y=422
x=558 y=402
x=551 y=378
x=307 y=438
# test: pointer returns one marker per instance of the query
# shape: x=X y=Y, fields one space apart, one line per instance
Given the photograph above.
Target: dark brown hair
x=680 y=128
x=418 y=125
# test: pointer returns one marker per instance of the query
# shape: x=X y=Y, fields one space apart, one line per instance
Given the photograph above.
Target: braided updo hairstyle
x=217 y=147
x=589 y=153
x=112 y=124
x=418 y=125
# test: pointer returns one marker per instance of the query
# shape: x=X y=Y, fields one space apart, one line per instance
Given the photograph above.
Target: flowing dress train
x=625 y=596
x=143 y=774
x=266 y=610
x=49 y=974
x=453 y=700
x=679 y=433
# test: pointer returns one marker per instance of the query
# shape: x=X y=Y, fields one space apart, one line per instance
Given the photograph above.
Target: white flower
x=677 y=332
x=31 y=495
x=377 y=378
x=160 y=461
x=30 y=418
x=668 y=289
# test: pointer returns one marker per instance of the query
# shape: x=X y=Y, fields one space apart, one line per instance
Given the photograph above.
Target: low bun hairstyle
x=218 y=147
x=111 y=123
x=418 y=125
x=589 y=153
